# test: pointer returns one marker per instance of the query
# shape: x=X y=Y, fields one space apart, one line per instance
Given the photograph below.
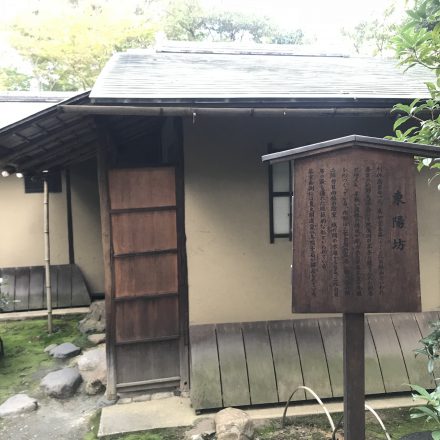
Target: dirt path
x=54 y=420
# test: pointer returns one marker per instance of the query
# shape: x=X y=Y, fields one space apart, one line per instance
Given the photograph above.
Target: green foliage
x=187 y=20
x=13 y=80
x=417 y=43
x=431 y=346
x=418 y=39
x=430 y=410
x=67 y=43
x=375 y=35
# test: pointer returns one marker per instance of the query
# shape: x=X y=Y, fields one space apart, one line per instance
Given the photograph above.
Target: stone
x=96 y=338
x=124 y=400
x=65 y=350
x=203 y=429
x=142 y=398
x=62 y=383
x=94 y=322
x=93 y=368
x=233 y=424
x=162 y=395
x=49 y=348
x=18 y=404
x=103 y=402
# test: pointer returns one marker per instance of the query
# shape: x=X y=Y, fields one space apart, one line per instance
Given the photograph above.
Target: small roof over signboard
x=353 y=141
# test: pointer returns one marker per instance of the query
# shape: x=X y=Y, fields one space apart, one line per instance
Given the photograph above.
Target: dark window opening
x=35 y=184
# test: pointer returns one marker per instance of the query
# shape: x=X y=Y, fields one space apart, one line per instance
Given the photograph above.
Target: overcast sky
x=322 y=19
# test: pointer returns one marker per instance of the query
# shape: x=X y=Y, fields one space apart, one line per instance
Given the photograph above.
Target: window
x=34 y=184
x=280 y=199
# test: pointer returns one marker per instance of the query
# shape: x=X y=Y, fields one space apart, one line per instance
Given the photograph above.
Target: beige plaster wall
x=428 y=213
x=21 y=225
x=87 y=224
x=234 y=273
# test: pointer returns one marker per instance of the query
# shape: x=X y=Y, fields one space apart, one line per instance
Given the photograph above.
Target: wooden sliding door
x=146 y=309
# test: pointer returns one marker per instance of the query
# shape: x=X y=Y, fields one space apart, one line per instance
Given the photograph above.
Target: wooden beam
x=183 y=270
x=104 y=199
x=69 y=218
x=194 y=112
x=354 y=376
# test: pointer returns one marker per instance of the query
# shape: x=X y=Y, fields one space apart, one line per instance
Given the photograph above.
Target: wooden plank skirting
x=256 y=363
x=26 y=289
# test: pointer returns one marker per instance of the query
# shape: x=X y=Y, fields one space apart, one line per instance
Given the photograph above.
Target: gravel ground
x=53 y=420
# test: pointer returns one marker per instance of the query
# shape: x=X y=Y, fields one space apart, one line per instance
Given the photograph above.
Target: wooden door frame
x=104 y=151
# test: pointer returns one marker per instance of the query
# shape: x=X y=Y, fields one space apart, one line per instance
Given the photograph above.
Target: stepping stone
x=65 y=350
x=18 y=404
x=97 y=338
x=62 y=383
x=233 y=424
x=93 y=368
x=49 y=348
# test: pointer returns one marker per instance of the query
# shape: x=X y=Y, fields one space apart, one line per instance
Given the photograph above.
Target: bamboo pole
x=47 y=255
x=193 y=112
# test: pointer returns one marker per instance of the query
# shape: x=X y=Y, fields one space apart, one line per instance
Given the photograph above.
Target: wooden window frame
x=273 y=194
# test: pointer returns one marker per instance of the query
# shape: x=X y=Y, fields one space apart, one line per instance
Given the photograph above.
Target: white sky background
x=321 y=20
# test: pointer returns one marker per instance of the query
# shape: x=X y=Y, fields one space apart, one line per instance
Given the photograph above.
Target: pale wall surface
x=21 y=225
x=87 y=224
x=234 y=273
x=428 y=213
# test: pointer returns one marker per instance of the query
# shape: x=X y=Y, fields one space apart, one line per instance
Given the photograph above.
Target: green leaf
x=435 y=435
x=400 y=121
x=420 y=390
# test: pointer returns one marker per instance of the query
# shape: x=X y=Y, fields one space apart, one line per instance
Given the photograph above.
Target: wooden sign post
x=355 y=243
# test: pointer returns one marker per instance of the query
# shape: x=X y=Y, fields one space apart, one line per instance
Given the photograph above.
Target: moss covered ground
x=24 y=342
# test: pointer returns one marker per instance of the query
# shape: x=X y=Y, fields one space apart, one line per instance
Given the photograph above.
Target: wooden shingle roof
x=219 y=75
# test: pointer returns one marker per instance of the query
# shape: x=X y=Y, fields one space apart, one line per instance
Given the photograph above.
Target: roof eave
x=305 y=101
x=353 y=141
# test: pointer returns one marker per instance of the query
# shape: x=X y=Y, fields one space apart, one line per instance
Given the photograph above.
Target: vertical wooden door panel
x=64 y=286
x=8 y=287
x=144 y=231
x=286 y=360
x=147 y=361
x=142 y=187
x=233 y=369
x=331 y=331
x=147 y=318
x=145 y=274
x=22 y=278
x=206 y=390
x=36 y=287
x=262 y=382
x=389 y=352
x=313 y=361
x=409 y=335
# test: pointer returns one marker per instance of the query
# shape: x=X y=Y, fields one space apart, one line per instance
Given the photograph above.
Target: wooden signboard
x=355 y=233
x=355 y=247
